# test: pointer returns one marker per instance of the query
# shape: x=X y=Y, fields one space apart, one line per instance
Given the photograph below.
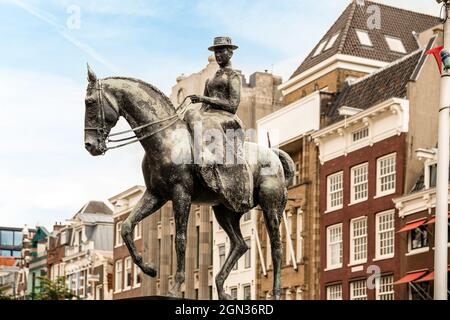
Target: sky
x=46 y=175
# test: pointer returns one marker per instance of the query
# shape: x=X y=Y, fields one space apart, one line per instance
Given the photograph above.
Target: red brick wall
x=367 y=208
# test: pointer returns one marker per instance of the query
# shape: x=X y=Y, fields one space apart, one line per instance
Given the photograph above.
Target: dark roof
x=389 y=82
x=95 y=207
x=395 y=22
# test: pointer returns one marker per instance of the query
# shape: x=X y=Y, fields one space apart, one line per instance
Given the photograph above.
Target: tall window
x=299 y=234
x=358 y=240
x=248 y=254
x=247 y=216
x=334 y=292
x=359 y=183
x=385 y=291
x=418 y=238
x=334 y=246
x=385 y=233
x=118 y=276
x=268 y=252
x=233 y=293
x=197 y=238
x=128 y=276
x=138 y=231
x=221 y=255
x=358 y=290
x=386 y=175
x=119 y=241
x=82 y=283
x=296 y=179
x=136 y=276
x=335 y=194
x=247 y=292
x=288 y=235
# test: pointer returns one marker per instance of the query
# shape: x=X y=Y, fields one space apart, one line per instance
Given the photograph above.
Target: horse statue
x=154 y=121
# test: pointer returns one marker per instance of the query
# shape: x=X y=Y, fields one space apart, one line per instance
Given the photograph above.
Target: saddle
x=232 y=181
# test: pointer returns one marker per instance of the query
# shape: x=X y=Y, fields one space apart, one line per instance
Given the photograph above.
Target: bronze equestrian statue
x=258 y=175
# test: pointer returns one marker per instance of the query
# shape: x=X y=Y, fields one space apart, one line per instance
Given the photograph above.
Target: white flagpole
x=440 y=254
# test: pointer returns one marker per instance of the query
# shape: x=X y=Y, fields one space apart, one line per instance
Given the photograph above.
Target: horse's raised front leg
x=147 y=205
x=181 y=207
x=229 y=221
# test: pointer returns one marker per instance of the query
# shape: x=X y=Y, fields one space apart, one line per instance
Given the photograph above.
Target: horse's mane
x=148 y=85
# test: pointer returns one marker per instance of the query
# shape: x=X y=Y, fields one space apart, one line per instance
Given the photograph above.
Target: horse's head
x=101 y=115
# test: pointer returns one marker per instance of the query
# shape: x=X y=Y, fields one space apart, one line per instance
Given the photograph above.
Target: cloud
x=63 y=31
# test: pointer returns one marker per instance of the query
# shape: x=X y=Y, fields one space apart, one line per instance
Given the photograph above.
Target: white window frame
x=128 y=268
x=380 y=176
x=339 y=244
x=393 y=42
x=362 y=134
x=332 y=41
x=354 y=261
x=296 y=178
x=234 y=296
x=381 y=289
x=119 y=240
x=354 y=185
x=136 y=272
x=337 y=292
x=338 y=190
x=245 y=286
x=427 y=174
x=118 y=276
x=364 y=38
x=288 y=236
x=379 y=232
x=248 y=254
x=319 y=49
x=220 y=246
x=299 y=235
x=358 y=290
x=138 y=231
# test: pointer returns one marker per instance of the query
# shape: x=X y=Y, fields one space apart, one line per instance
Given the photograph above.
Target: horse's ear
x=92 y=78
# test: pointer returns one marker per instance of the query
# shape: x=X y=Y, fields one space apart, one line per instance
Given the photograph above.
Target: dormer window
x=332 y=41
x=320 y=48
x=395 y=44
x=364 y=39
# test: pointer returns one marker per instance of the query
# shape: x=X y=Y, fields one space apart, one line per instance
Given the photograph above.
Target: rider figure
x=220 y=102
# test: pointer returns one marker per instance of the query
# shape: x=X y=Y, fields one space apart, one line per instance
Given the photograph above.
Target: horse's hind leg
x=147 y=205
x=229 y=221
x=273 y=197
x=181 y=206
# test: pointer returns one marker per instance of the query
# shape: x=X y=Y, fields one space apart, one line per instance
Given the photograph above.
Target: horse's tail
x=288 y=165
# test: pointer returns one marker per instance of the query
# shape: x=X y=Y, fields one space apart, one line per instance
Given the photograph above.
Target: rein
x=102 y=131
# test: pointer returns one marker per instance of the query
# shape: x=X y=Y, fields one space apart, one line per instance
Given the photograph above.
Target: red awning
x=411 y=277
x=430 y=276
x=412 y=225
x=433 y=219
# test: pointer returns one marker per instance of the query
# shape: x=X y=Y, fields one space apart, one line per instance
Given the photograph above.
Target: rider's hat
x=222 y=42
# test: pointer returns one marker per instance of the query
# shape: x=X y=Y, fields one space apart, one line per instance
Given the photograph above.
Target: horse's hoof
x=174 y=293
x=225 y=296
x=149 y=269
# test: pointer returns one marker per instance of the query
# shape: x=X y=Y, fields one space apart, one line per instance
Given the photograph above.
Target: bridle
x=102 y=130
